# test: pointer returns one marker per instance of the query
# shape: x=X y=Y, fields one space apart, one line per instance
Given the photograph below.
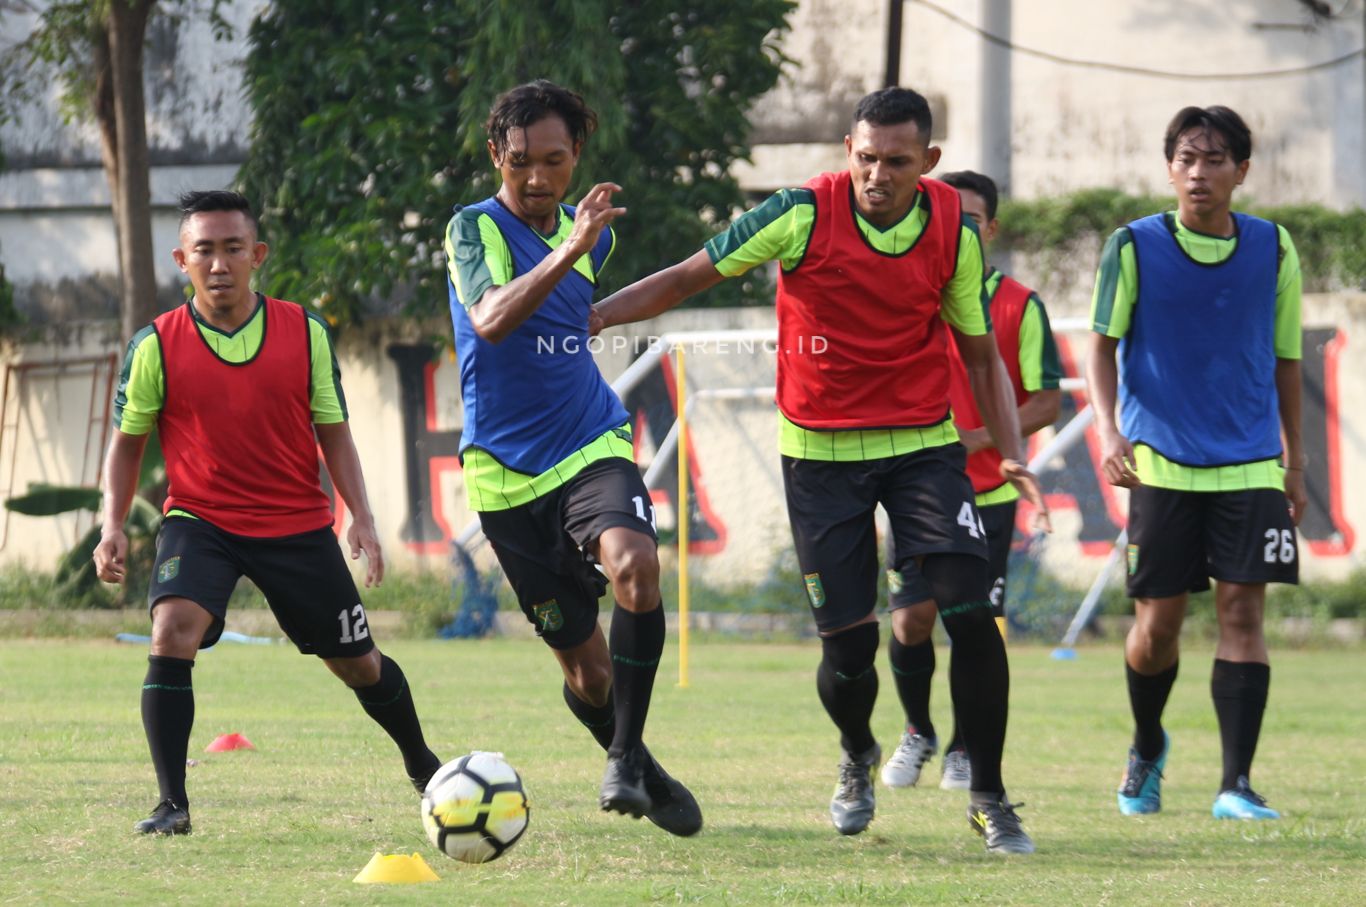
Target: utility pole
x=995 y=88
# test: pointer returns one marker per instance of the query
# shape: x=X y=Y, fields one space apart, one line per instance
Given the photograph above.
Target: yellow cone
x=396 y=869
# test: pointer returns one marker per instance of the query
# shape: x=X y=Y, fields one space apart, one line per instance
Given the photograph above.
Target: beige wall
x=1075 y=127
x=49 y=435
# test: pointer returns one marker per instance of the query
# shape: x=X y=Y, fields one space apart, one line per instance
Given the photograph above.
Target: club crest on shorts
x=1132 y=554
x=169 y=569
x=548 y=613
x=814 y=590
x=894 y=582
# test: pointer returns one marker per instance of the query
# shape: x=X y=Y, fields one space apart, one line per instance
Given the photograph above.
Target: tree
x=95 y=48
x=368 y=126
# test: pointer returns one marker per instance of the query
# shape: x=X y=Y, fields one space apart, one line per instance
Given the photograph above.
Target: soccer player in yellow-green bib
x=548 y=460
x=1203 y=307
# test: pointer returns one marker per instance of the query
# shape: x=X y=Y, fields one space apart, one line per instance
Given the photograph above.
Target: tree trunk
x=131 y=192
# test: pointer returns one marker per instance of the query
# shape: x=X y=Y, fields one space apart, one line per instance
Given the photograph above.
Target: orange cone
x=225 y=742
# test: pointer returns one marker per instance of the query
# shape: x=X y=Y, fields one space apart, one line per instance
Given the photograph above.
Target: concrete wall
x=406 y=417
x=1075 y=126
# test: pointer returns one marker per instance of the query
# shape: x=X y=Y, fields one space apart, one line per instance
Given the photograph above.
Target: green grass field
x=295 y=820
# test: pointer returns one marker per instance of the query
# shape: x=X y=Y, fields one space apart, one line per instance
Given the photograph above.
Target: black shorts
x=304 y=578
x=999 y=522
x=1180 y=540
x=929 y=502
x=546 y=546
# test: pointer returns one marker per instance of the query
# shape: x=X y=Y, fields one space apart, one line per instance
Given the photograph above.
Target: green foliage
x=1332 y=255
x=9 y=315
x=368 y=128
x=74 y=581
x=63 y=44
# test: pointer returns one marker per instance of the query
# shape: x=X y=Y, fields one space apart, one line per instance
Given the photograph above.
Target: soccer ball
x=474 y=808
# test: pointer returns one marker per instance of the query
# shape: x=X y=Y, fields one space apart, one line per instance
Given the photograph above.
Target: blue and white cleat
x=1241 y=802
x=1140 y=793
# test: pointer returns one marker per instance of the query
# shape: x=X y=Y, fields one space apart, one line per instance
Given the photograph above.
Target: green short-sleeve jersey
x=1112 y=305
x=1040 y=366
x=142 y=382
x=478 y=258
x=779 y=229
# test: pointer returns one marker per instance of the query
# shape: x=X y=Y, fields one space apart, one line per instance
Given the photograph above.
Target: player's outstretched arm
x=502 y=309
x=1102 y=384
x=995 y=399
x=122 y=464
x=1288 y=392
x=656 y=294
x=343 y=464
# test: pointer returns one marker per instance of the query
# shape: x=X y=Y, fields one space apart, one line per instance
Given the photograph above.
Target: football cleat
x=851 y=808
x=957 y=771
x=903 y=768
x=1241 y=802
x=1140 y=792
x=166 y=819
x=672 y=806
x=420 y=780
x=997 y=823
x=623 y=784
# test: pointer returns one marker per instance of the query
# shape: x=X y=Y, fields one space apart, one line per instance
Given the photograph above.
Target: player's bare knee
x=178 y=626
x=634 y=569
x=591 y=682
x=361 y=671
x=913 y=625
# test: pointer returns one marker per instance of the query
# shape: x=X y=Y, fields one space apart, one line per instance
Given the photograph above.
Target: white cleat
x=903 y=768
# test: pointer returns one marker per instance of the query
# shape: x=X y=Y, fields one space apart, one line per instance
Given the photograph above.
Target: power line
x=1137 y=70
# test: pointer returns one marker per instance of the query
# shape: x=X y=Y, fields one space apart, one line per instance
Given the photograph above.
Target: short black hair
x=890 y=106
x=973 y=181
x=203 y=200
x=526 y=104
x=1218 y=119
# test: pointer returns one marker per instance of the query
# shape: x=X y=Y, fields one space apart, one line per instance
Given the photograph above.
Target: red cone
x=225 y=742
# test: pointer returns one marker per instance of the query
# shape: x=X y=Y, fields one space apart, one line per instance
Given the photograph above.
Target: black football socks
x=167 y=716
x=390 y=703
x=637 y=642
x=847 y=683
x=1239 y=689
x=913 y=669
x=601 y=720
x=1147 y=699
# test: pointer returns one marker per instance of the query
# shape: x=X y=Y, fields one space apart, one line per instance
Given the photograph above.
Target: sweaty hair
x=973 y=181
x=890 y=106
x=530 y=103
x=1218 y=119
x=216 y=200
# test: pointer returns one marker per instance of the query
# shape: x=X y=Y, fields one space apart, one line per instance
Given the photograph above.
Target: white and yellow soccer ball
x=475 y=808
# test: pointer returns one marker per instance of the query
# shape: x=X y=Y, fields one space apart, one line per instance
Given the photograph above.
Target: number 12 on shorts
x=353 y=626
x=1279 y=542
x=969 y=517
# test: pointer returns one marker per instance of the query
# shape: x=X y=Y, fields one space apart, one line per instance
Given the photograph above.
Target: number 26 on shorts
x=1280 y=545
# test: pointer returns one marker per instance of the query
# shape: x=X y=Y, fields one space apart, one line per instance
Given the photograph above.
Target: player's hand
x=1296 y=494
x=974 y=439
x=591 y=216
x=1014 y=472
x=364 y=539
x=1117 y=461
x=110 y=556
x=595 y=322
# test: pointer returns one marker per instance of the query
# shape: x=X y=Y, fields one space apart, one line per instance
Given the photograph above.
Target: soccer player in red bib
x=877 y=265
x=1202 y=305
x=1020 y=324
x=244 y=390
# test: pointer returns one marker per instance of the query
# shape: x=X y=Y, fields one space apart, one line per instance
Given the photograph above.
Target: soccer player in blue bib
x=1203 y=306
x=546 y=448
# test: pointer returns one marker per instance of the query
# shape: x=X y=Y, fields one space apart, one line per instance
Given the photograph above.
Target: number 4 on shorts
x=968 y=517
